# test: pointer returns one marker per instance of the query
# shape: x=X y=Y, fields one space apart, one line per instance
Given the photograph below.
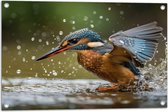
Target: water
x=24 y=93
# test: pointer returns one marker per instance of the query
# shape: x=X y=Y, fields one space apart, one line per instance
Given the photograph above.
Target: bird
x=117 y=60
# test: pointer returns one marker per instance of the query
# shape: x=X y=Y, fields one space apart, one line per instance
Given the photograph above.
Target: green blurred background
x=30 y=29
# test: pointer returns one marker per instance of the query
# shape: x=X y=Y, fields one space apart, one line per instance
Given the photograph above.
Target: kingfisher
x=117 y=61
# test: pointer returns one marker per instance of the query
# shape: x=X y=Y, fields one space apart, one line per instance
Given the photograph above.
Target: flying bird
x=116 y=61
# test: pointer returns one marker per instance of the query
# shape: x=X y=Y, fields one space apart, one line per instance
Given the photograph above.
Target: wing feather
x=140 y=41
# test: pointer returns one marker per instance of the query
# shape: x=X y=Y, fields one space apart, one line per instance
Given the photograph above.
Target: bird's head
x=83 y=39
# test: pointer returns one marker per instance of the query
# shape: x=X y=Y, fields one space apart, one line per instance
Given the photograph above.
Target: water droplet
x=60 y=32
x=6 y=105
x=62 y=71
x=73 y=22
x=18 y=47
x=69 y=74
x=6 y=5
x=27 y=50
x=40 y=40
x=64 y=20
x=23 y=59
x=150 y=65
x=44 y=34
x=91 y=25
x=33 y=57
x=47 y=43
x=109 y=8
x=52 y=42
x=32 y=39
x=13 y=15
x=73 y=28
x=85 y=18
x=94 y=12
x=121 y=12
x=14 y=59
x=53 y=64
x=45 y=71
x=54 y=73
x=162 y=7
x=52 y=60
x=59 y=62
x=91 y=21
x=107 y=19
x=100 y=17
x=6 y=71
x=58 y=38
x=19 y=52
x=53 y=35
x=64 y=53
x=5 y=48
x=36 y=75
x=18 y=71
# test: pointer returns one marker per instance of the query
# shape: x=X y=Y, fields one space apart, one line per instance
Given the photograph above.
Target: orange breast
x=90 y=60
x=104 y=68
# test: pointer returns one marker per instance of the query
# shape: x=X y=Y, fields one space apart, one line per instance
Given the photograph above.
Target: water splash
x=156 y=75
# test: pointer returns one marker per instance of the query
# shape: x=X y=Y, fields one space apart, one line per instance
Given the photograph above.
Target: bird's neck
x=106 y=48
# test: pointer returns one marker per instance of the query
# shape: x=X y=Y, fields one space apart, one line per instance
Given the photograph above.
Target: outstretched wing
x=140 y=41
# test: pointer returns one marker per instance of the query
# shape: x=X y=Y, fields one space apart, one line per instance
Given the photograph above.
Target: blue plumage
x=84 y=33
x=140 y=41
x=80 y=47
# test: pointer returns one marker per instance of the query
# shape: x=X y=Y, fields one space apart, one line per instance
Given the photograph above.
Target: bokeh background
x=30 y=29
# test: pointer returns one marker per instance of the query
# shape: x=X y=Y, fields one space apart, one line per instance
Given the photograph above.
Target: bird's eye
x=73 y=41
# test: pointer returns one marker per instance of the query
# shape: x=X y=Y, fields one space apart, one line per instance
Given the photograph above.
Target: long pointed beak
x=53 y=52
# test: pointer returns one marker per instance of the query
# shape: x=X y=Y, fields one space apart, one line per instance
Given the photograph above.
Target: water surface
x=37 y=93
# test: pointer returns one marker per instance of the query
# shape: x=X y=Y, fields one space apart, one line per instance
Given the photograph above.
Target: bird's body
x=117 y=61
x=105 y=67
